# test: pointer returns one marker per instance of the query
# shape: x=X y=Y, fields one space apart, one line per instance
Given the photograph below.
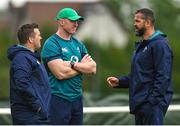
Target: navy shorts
x=64 y=112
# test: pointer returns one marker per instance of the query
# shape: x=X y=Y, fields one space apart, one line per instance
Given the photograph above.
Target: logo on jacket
x=145 y=48
x=38 y=62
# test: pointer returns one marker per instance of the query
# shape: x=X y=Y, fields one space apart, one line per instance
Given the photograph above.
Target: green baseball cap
x=68 y=13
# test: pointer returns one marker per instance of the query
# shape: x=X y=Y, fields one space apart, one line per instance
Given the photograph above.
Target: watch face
x=72 y=64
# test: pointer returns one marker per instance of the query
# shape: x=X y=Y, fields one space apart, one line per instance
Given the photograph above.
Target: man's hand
x=86 y=58
x=112 y=81
x=86 y=66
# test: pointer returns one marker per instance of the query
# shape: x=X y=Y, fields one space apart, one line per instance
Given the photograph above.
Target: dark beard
x=140 y=32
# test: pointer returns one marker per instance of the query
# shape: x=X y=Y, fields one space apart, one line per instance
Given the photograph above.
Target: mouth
x=75 y=28
x=136 y=30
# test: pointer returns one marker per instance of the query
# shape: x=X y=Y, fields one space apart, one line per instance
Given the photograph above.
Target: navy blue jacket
x=150 y=78
x=29 y=88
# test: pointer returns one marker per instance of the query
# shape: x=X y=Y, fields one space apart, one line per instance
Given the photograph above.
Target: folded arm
x=86 y=66
x=62 y=69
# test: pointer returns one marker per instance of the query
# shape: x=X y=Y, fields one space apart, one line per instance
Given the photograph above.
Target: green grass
x=4 y=82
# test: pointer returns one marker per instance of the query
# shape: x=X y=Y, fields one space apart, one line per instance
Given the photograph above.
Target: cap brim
x=75 y=18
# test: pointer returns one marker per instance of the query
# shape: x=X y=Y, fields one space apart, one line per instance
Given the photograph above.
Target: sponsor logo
x=74 y=58
x=64 y=50
x=78 y=49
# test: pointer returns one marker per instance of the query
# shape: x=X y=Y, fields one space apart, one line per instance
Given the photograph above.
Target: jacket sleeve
x=162 y=59
x=123 y=82
x=23 y=83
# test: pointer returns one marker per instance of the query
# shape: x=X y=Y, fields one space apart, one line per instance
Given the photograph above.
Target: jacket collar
x=142 y=43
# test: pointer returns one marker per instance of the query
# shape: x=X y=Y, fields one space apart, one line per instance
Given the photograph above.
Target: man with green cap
x=66 y=60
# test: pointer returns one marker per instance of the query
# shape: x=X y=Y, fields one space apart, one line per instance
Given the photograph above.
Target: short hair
x=147 y=14
x=26 y=31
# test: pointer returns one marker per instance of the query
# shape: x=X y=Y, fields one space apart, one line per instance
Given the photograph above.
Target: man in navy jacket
x=149 y=82
x=29 y=89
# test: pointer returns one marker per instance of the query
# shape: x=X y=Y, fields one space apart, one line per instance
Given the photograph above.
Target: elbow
x=94 y=72
x=94 y=69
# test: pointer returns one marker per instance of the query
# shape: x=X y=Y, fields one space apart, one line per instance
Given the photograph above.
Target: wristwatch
x=72 y=64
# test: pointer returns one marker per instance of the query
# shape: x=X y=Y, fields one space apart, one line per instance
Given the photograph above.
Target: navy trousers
x=64 y=112
x=149 y=115
x=27 y=118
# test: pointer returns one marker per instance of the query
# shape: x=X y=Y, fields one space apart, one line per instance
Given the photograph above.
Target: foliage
x=167 y=20
x=110 y=60
x=5 y=41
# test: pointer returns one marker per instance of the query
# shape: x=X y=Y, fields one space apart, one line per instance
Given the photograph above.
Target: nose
x=76 y=23
x=135 y=25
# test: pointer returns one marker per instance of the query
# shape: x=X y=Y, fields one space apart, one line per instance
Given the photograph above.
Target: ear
x=31 y=39
x=148 y=23
x=61 y=22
